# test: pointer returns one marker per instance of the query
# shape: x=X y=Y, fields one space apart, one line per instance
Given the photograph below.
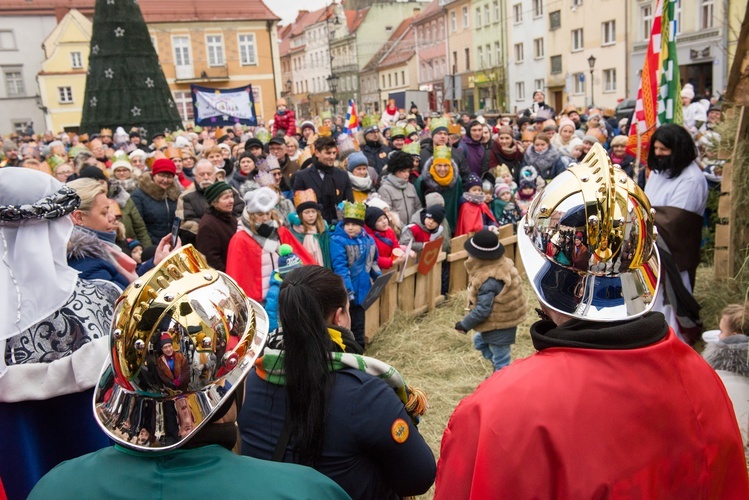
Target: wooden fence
x=418 y=293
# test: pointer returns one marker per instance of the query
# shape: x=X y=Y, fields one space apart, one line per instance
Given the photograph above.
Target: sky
x=287 y=9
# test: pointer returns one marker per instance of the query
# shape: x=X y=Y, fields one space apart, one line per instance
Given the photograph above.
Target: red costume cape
x=470 y=218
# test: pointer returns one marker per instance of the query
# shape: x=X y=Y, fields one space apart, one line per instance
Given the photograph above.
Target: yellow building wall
x=233 y=74
x=73 y=35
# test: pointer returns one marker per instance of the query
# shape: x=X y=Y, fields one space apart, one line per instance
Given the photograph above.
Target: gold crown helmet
x=597 y=203
x=151 y=400
x=412 y=148
x=355 y=211
x=442 y=154
x=173 y=152
x=438 y=123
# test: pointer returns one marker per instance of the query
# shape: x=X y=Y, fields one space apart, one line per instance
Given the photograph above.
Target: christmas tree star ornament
x=93 y=101
x=135 y=111
x=110 y=2
x=95 y=49
x=149 y=83
x=119 y=32
x=109 y=73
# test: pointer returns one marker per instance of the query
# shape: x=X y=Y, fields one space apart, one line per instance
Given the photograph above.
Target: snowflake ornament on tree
x=119 y=32
x=135 y=111
x=149 y=83
x=93 y=102
x=109 y=73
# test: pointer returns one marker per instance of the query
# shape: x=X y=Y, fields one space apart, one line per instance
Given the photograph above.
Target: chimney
x=417 y=11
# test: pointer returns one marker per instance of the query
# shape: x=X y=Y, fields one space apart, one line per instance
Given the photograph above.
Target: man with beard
x=10 y=150
x=192 y=204
x=331 y=185
x=374 y=149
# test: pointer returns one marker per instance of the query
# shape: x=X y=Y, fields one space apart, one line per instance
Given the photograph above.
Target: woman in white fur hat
x=255 y=246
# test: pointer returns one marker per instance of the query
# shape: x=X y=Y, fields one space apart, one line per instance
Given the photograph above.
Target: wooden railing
x=418 y=293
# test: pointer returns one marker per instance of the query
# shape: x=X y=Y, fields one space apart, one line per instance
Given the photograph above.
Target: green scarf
x=270 y=367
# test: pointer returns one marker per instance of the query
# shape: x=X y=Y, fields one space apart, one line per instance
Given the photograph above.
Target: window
x=517 y=13
x=519 y=53
x=609 y=80
x=396 y=79
x=64 y=95
x=577 y=3
x=183 y=100
x=453 y=21
x=7 y=40
x=487 y=15
x=498 y=52
x=441 y=26
x=403 y=77
x=76 y=61
x=496 y=11
x=538 y=48
x=555 y=20
x=480 y=53
x=14 y=82
x=383 y=81
x=181 y=46
x=465 y=17
x=538 y=8
x=455 y=62
x=646 y=11
x=488 y=51
x=608 y=32
x=578 y=83
x=520 y=91
x=556 y=64
x=478 y=17
x=577 y=40
x=468 y=59
x=706 y=14
x=677 y=17
x=424 y=72
x=215 y=46
x=247 y=55
x=539 y=84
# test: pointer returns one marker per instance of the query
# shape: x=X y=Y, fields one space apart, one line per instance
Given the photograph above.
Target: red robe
x=650 y=422
x=244 y=260
x=470 y=218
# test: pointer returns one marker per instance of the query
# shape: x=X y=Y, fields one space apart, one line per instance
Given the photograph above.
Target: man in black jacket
x=374 y=149
x=331 y=185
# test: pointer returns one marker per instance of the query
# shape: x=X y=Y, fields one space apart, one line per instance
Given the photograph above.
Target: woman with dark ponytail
x=318 y=402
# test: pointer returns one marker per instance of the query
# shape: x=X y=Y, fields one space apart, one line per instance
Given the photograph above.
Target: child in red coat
x=474 y=214
x=389 y=251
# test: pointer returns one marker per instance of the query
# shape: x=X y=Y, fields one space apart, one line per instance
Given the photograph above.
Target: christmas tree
x=125 y=85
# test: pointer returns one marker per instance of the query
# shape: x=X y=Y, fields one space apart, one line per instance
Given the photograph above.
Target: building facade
x=460 y=56
x=527 y=61
x=430 y=31
x=490 y=56
x=587 y=32
x=22 y=33
x=62 y=79
x=701 y=43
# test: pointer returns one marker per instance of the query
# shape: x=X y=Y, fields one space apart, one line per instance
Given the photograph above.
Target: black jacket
x=310 y=178
x=377 y=156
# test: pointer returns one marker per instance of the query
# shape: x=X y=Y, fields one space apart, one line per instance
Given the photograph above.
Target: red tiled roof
x=354 y=19
x=432 y=9
x=154 y=11
x=404 y=49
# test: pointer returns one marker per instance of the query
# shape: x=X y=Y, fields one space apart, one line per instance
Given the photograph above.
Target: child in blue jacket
x=354 y=257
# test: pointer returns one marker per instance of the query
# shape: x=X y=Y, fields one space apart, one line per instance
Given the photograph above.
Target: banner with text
x=219 y=107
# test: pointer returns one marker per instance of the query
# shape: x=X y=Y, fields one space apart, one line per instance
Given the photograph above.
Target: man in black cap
x=374 y=149
x=255 y=146
x=330 y=184
x=277 y=147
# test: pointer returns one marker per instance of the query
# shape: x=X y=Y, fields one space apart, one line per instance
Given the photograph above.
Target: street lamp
x=333 y=86
x=288 y=86
x=592 y=64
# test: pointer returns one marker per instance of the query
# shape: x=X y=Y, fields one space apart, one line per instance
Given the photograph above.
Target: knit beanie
x=574 y=142
x=687 y=91
x=133 y=244
x=373 y=215
x=213 y=192
x=500 y=188
x=565 y=122
x=434 y=198
x=591 y=139
x=287 y=260
x=473 y=180
x=356 y=159
x=164 y=166
x=434 y=212
x=253 y=143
